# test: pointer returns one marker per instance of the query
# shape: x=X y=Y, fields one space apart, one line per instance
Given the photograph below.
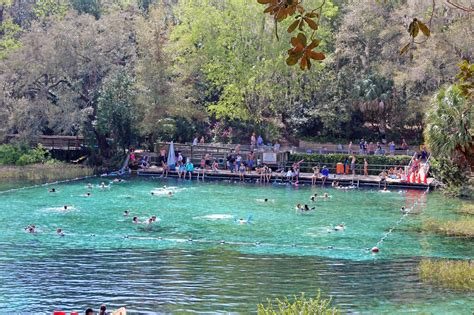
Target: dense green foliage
x=298 y=305
x=22 y=155
x=215 y=68
x=450 y=125
x=449 y=136
x=331 y=160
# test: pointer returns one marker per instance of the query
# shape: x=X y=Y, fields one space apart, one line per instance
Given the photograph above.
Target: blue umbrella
x=171 y=157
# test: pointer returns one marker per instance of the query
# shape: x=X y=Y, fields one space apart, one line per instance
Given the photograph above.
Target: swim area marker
x=407 y=211
x=47 y=184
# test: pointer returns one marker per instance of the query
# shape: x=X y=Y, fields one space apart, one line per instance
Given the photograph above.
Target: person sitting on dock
x=215 y=167
x=290 y=175
x=202 y=167
x=189 y=169
x=242 y=172
x=181 y=169
x=315 y=175
x=324 y=174
x=268 y=173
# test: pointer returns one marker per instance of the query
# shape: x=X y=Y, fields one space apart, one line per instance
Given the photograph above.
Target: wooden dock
x=304 y=178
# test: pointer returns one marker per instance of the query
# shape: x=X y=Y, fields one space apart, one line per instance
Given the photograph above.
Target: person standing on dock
x=250 y=161
x=253 y=140
x=195 y=141
x=353 y=165
x=366 y=168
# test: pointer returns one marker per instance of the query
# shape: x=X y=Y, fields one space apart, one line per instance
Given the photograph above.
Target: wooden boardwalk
x=304 y=178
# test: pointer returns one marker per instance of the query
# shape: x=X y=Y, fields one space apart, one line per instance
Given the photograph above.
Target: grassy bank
x=454 y=274
x=298 y=305
x=467 y=209
x=44 y=172
x=461 y=227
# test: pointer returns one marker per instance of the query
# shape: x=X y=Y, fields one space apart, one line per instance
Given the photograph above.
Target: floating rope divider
x=375 y=249
x=47 y=184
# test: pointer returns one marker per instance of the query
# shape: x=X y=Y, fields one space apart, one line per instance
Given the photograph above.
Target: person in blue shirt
x=259 y=140
x=324 y=174
x=392 y=148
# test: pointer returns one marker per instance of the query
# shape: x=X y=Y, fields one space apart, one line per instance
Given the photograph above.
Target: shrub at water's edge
x=19 y=154
x=454 y=274
x=461 y=228
x=298 y=305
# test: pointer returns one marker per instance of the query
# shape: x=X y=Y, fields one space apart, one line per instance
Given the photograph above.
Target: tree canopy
x=136 y=70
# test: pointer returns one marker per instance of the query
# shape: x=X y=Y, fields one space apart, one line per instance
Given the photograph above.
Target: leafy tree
x=449 y=126
x=68 y=61
x=117 y=114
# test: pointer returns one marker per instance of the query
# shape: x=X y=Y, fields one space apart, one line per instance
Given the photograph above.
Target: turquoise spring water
x=227 y=267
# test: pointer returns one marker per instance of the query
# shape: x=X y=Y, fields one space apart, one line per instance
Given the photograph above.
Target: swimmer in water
x=298 y=207
x=135 y=220
x=31 y=228
x=325 y=196
x=126 y=213
x=52 y=190
x=102 y=185
x=153 y=218
x=59 y=232
x=306 y=208
x=170 y=194
x=339 y=227
x=64 y=207
x=385 y=190
x=88 y=194
x=265 y=200
x=243 y=221
x=152 y=193
x=404 y=210
x=89 y=186
x=313 y=198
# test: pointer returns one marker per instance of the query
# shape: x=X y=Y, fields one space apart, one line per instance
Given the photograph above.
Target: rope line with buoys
x=47 y=184
x=407 y=211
